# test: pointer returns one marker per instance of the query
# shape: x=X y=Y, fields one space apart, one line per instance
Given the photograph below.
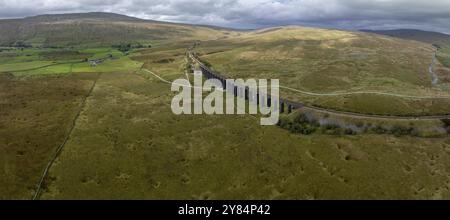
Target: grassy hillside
x=335 y=62
x=126 y=143
x=97 y=29
x=35 y=117
x=430 y=37
x=444 y=57
x=141 y=150
x=120 y=140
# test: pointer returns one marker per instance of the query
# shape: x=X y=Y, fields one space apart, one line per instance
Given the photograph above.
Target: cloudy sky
x=348 y=14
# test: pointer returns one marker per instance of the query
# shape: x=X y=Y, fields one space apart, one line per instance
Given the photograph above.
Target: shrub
x=398 y=130
x=349 y=131
x=359 y=124
x=301 y=118
x=189 y=68
x=446 y=122
x=332 y=129
x=21 y=44
x=123 y=47
x=299 y=125
x=206 y=63
x=283 y=123
x=379 y=130
x=415 y=133
x=314 y=123
x=168 y=60
x=126 y=47
x=302 y=129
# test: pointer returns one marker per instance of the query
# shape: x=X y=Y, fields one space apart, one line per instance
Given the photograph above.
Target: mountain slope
x=335 y=69
x=436 y=38
x=97 y=29
x=91 y=15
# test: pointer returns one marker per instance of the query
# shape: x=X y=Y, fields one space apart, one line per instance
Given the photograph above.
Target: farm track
x=169 y=82
x=61 y=146
x=365 y=93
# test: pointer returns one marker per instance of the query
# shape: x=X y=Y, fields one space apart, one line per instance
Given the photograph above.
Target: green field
x=53 y=61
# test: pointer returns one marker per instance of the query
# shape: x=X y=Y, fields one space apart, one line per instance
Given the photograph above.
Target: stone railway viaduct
x=284 y=105
x=287 y=106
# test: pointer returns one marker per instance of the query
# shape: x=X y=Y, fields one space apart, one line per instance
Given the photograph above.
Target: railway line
x=289 y=106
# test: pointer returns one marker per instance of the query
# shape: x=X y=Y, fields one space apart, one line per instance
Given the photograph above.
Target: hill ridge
x=432 y=37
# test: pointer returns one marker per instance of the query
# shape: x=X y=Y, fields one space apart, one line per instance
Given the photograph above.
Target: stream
x=434 y=76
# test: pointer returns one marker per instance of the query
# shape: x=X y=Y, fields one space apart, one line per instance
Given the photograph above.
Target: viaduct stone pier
x=284 y=105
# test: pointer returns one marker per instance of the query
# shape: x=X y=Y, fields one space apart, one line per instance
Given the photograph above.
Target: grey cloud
x=352 y=14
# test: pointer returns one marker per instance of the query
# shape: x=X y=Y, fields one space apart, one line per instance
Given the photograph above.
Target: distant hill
x=81 y=16
x=98 y=28
x=436 y=38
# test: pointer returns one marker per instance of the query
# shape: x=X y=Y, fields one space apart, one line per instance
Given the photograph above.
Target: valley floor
x=137 y=149
x=126 y=144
